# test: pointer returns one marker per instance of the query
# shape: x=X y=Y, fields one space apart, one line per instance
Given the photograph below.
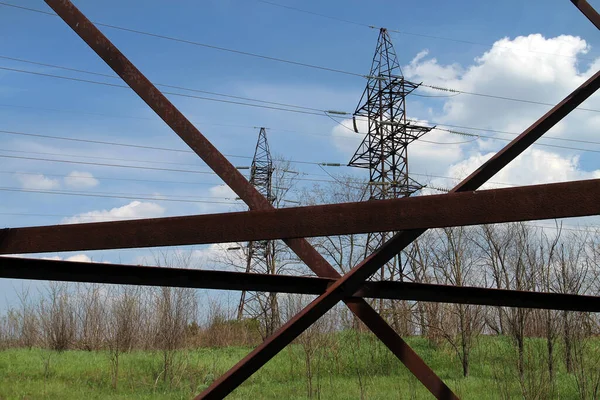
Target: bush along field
x=345 y=365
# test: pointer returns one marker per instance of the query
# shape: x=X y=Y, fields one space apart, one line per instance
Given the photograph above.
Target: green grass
x=345 y=366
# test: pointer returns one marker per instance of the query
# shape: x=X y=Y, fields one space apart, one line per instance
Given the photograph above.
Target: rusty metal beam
x=478 y=296
x=351 y=281
x=224 y=169
x=589 y=11
x=68 y=271
x=558 y=200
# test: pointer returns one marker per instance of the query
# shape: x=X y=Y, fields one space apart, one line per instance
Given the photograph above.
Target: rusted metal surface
x=557 y=200
x=589 y=11
x=173 y=117
x=351 y=281
x=476 y=295
x=68 y=271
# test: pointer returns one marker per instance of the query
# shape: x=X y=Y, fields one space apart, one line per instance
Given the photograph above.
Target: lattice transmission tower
x=260 y=255
x=384 y=150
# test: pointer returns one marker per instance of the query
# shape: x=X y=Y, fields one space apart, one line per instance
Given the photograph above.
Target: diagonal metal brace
x=350 y=282
x=236 y=181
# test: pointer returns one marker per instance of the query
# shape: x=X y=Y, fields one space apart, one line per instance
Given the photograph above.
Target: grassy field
x=347 y=366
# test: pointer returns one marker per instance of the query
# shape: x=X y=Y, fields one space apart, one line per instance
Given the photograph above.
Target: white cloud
x=39 y=182
x=534 y=166
x=76 y=258
x=216 y=256
x=134 y=210
x=222 y=192
x=77 y=179
x=79 y=258
x=504 y=71
x=345 y=139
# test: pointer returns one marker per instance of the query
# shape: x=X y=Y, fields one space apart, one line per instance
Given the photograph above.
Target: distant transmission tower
x=384 y=150
x=260 y=256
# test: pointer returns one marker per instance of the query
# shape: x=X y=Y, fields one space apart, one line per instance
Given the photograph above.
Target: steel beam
x=351 y=281
x=68 y=271
x=226 y=171
x=557 y=200
x=478 y=296
x=589 y=11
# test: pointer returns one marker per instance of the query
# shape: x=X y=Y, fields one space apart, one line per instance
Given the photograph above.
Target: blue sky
x=523 y=64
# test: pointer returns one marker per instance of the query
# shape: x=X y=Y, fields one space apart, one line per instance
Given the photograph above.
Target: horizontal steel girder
x=23 y=268
x=557 y=200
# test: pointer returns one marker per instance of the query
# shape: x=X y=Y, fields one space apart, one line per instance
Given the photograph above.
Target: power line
x=96 y=157
x=194 y=43
x=79 y=216
x=317 y=111
x=417 y=34
x=317 y=14
x=274 y=105
x=158 y=84
x=104 y=178
x=76 y=112
x=492 y=96
x=299 y=111
x=146 y=195
x=335 y=180
x=477 y=136
x=107 y=165
x=555 y=146
x=326 y=113
x=112 y=196
x=134 y=146
x=264 y=57
x=139 y=167
x=546 y=137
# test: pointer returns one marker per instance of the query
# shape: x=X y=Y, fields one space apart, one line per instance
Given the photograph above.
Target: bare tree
x=546 y=284
x=57 y=316
x=453 y=264
x=123 y=325
x=571 y=273
x=585 y=362
x=420 y=258
x=506 y=252
x=28 y=320
x=91 y=315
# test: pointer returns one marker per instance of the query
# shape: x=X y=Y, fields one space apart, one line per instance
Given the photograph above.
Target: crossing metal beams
x=236 y=181
x=570 y=199
x=340 y=288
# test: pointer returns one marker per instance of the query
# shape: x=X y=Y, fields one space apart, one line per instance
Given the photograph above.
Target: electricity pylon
x=384 y=149
x=260 y=255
